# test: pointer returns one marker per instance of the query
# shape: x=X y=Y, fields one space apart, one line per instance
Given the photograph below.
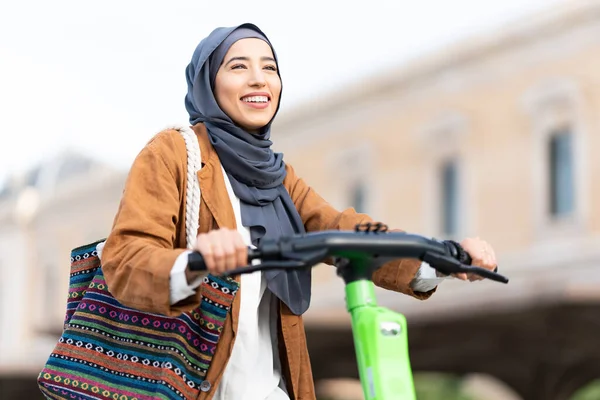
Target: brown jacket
x=149 y=233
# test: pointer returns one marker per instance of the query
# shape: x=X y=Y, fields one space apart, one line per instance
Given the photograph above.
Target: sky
x=102 y=77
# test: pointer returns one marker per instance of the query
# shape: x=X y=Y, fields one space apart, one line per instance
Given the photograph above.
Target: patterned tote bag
x=109 y=351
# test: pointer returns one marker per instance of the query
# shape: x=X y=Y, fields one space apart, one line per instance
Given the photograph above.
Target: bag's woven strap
x=192 y=199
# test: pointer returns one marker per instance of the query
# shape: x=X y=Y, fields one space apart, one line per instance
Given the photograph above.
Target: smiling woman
x=211 y=340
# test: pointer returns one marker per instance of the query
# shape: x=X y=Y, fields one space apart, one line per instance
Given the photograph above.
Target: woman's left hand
x=482 y=254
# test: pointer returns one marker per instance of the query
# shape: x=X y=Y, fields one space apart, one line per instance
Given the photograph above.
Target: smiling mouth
x=255 y=99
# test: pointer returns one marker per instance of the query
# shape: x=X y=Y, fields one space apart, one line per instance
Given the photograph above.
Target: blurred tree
x=439 y=386
x=588 y=392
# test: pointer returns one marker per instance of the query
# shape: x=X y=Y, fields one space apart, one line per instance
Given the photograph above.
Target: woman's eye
x=271 y=67
x=238 y=66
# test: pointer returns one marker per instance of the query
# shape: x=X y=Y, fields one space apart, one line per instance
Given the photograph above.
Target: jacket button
x=205 y=386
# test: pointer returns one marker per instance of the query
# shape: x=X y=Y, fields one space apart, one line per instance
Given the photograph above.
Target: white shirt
x=254 y=371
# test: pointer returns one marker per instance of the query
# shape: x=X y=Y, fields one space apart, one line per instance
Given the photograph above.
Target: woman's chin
x=254 y=127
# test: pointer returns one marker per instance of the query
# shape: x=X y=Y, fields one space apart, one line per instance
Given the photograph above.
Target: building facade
x=495 y=137
x=62 y=204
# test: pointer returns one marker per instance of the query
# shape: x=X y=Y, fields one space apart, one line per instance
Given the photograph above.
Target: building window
x=449 y=198
x=560 y=189
x=561 y=196
x=358 y=197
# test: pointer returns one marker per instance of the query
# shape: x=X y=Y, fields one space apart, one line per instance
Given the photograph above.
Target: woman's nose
x=257 y=78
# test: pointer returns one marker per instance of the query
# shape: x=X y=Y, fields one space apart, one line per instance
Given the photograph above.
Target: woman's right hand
x=222 y=250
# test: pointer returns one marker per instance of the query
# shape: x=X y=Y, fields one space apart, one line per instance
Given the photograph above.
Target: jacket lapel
x=212 y=182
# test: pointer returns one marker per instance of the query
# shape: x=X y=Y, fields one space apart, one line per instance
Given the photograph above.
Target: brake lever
x=449 y=265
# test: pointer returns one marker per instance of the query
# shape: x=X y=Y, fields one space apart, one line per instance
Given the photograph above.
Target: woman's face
x=247 y=86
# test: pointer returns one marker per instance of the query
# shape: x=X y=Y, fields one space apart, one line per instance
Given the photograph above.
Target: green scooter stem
x=381 y=345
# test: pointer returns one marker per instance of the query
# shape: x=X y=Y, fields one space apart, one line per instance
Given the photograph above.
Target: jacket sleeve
x=140 y=250
x=318 y=215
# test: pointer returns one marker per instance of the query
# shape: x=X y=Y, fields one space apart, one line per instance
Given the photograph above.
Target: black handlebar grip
x=456 y=251
x=196 y=262
x=468 y=259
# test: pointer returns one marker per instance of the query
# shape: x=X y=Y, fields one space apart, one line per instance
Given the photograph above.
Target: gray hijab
x=255 y=171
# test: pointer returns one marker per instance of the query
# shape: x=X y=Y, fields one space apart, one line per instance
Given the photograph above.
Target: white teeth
x=256 y=99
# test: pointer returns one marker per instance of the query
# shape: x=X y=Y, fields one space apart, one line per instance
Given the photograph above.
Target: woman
x=248 y=193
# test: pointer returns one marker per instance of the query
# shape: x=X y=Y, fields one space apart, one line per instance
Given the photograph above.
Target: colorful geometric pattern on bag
x=111 y=351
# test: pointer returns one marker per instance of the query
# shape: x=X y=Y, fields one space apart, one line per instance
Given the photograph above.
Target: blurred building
x=65 y=202
x=494 y=137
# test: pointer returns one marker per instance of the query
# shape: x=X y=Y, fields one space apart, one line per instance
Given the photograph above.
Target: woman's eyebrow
x=237 y=59
x=248 y=59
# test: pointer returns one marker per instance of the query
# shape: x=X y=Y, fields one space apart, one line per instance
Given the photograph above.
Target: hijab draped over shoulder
x=255 y=171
